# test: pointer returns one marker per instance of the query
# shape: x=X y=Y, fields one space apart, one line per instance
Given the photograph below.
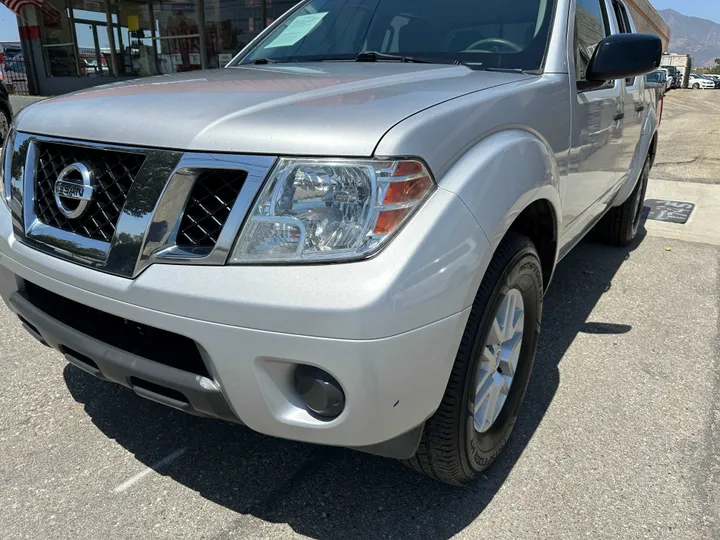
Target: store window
x=134 y=38
x=139 y=38
x=93 y=44
x=155 y=37
x=177 y=36
x=229 y=26
x=276 y=8
x=58 y=39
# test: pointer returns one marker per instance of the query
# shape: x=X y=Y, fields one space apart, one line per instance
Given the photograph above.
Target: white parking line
x=154 y=467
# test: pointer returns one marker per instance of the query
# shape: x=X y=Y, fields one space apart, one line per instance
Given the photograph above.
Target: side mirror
x=621 y=56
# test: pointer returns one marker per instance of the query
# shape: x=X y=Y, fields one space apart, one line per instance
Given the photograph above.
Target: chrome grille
x=115 y=173
x=148 y=206
x=208 y=207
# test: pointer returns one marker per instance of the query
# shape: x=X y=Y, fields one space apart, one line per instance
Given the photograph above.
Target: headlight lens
x=5 y=157
x=319 y=210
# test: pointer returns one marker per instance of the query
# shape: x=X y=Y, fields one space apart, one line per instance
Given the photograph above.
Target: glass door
x=177 y=36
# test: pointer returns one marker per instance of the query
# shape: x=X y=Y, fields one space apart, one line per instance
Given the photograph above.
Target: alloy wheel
x=498 y=361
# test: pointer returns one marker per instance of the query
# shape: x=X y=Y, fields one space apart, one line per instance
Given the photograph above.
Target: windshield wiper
x=374 y=56
x=505 y=70
x=367 y=56
x=263 y=61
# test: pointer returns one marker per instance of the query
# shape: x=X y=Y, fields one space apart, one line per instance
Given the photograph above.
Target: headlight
x=5 y=159
x=328 y=210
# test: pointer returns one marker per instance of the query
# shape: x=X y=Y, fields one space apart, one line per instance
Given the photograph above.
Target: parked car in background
x=5 y=113
x=700 y=82
x=659 y=79
x=675 y=76
x=714 y=78
x=348 y=239
x=667 y=79
x=13 y=67
x=15 y=63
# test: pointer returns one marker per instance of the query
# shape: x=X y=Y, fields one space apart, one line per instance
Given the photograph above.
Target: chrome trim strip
x=70 y=245
x=29 y=186
x=137 y=215
x=166 y=220
x=6 y=163
x=16 y=177
x=89 y=144
x=181 y=183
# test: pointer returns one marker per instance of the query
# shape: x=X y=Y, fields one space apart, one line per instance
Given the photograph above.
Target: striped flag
x=50 y=13
x=16 y=5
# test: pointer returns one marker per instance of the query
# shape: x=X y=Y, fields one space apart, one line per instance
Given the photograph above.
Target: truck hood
x=330 y=108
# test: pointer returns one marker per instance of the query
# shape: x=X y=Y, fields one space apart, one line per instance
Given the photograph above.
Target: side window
x=625 y=25
x=625 y=28
x=591 y=27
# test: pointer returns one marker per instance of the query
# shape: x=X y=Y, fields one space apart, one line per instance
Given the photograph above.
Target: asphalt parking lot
x=619 y=437
x=689 y=149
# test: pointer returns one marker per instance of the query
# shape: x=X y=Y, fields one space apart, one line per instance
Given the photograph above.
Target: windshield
x=506 y=34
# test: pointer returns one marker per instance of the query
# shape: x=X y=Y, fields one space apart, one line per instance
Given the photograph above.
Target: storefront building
x=75 y=44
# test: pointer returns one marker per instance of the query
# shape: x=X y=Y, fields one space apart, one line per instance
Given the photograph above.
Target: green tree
x=716 y=68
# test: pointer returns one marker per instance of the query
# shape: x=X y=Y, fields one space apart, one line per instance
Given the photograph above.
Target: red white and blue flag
x=16 y=5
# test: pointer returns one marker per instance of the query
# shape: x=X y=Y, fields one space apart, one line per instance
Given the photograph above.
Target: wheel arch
x=510 y=182
x=539 y=223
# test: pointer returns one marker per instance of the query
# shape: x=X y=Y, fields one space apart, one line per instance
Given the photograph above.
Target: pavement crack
x=679 y=162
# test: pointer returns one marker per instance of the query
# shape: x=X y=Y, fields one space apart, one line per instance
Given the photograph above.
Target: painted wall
x=648 y=20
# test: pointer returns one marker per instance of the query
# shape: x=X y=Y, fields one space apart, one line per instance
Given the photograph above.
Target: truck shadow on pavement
x=331 y=493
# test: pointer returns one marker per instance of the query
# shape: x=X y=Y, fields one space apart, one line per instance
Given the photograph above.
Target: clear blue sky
x=8 y=25
x=707 y=9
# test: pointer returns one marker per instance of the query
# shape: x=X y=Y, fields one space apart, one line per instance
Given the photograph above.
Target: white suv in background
x=697 y=82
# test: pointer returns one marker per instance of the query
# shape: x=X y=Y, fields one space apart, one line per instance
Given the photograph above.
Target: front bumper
x=393 y=376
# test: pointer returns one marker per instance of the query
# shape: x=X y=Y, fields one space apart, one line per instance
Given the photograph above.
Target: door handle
x=619 y=116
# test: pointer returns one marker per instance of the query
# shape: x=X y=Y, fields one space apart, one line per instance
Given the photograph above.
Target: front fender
x=501 y=176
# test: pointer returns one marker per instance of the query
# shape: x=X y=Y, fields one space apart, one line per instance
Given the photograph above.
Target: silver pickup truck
x=343 y=237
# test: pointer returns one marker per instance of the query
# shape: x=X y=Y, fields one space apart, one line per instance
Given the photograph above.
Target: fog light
x=320 y=391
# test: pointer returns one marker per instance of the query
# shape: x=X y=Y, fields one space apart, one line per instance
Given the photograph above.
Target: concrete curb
x=703 y=224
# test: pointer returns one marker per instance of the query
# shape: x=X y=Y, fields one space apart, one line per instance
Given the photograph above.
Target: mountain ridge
x=698 y=37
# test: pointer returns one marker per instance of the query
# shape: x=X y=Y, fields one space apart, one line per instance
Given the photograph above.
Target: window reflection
x=229 y=26
x=133 y=38
x=149 y=37
x=57 y=39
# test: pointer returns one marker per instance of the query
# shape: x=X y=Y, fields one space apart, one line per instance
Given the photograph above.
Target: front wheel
x=696 y=86
x=491 y=371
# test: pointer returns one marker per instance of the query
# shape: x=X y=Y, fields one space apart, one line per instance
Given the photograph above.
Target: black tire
x=620 y=225
x=451 y=449
x=696 y=86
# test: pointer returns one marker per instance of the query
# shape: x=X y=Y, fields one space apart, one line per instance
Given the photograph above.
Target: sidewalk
x=20 y=102
x=703 y=225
